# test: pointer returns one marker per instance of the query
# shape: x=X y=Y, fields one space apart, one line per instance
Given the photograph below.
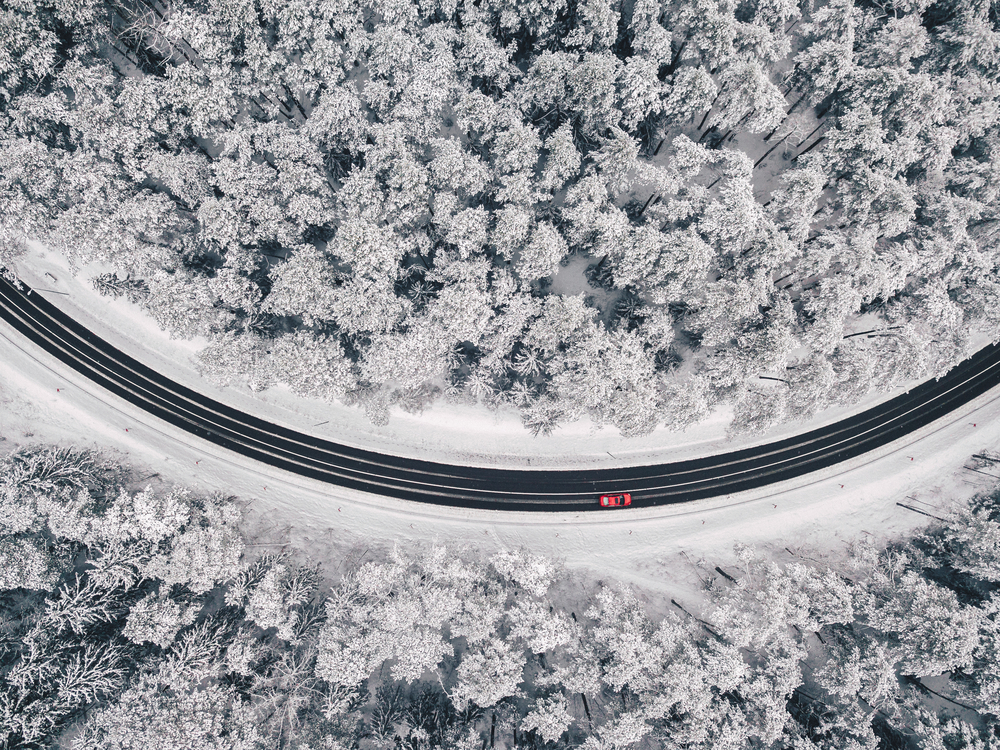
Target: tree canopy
x=143 y=617
x=369 y=202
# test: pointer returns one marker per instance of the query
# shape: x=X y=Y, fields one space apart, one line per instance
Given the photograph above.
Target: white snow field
x=41 y=400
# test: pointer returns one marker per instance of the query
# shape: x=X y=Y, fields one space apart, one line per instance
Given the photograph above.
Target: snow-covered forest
x=631 y=210
x=142 y=617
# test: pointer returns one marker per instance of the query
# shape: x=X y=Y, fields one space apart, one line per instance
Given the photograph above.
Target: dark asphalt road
x=473 y=487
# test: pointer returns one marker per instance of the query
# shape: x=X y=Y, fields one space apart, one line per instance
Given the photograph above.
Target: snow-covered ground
x=42 y=401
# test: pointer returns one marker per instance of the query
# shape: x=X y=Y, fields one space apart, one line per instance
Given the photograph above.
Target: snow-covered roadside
x=444 y=432
x=649 y=547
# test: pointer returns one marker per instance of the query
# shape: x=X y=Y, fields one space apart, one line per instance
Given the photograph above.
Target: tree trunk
x=724 y=574
x=984 y=473
x=702 y=123
x=812 y=132
x=814 y=145
x=745 y=117
x=796 y=105
x=126 y=55
x=153 y=6
x=703 y=623
x=281 y=108
x=295 y=101
x=768 y=153
x=287 y=112
x=710 y=107
x=872 y=330
x=921 y=685
x=766 y=377
x=677 y=56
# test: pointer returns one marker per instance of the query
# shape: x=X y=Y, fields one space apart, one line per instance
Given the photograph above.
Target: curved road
x=487 y=488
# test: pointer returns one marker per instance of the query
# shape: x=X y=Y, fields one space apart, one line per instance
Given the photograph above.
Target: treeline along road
x=27 y=313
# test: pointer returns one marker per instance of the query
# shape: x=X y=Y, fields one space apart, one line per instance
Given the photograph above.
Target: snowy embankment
x=45 y=402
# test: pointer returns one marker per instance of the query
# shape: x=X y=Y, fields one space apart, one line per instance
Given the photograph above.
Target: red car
x=616 y=501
